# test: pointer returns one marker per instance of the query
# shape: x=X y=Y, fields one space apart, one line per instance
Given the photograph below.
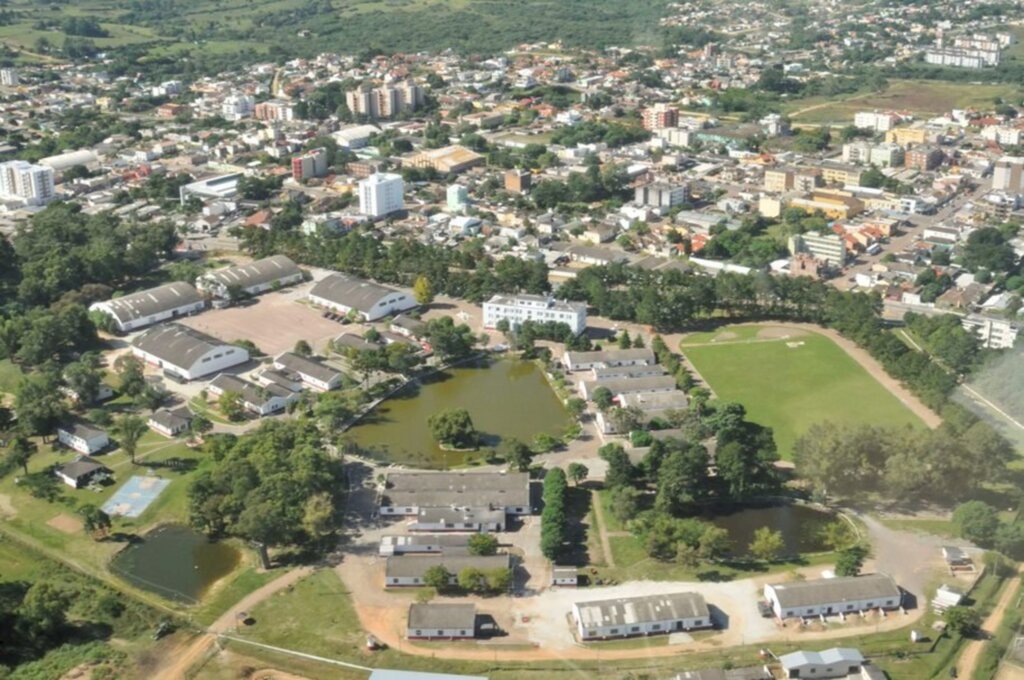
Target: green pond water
x=175 y=562
x=505 y=398
x=801 y=527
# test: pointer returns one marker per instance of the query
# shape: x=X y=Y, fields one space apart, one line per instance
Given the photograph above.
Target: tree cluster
x=979 y=522
x=553 y=517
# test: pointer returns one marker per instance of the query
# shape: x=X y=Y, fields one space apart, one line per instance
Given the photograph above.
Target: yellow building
x=837 y=205
x=450 y=159
x=841 y=174
x=907 y=135
x=778 y=180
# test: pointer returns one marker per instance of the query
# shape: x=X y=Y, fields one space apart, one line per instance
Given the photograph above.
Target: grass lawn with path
x=791 y=384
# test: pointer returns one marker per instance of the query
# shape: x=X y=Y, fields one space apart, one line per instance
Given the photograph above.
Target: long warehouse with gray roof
x=253 y=278
x=344 y=294
x=185 y=352
x=151 y=306
x=826 y=596
x=407 y=493
x=646 y=615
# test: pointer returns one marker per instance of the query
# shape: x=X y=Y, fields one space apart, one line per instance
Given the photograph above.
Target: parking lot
x=273 y=321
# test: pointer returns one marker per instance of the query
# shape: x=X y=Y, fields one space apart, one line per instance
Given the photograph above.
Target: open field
x=924 y=98
x=791 y=384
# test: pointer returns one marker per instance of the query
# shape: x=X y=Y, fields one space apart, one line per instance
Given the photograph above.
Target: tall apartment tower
x=381 y=193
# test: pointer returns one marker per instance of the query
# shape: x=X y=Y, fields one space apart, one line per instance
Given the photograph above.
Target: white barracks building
x=540 y=308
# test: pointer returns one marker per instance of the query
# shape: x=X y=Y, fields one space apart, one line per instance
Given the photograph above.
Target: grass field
x=923 y=98
x=790 y=388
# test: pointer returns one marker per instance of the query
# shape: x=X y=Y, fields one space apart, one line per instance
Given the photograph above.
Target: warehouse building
x=646 y=615
x=151 y=306
x=824 y=597
x=186 y=353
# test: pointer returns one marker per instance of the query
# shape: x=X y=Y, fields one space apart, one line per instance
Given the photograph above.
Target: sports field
x=790 y=379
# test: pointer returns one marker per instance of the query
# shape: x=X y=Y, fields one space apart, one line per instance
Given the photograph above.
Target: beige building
x=448 y=160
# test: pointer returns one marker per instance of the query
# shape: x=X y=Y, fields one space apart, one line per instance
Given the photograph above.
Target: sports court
x=135 y=496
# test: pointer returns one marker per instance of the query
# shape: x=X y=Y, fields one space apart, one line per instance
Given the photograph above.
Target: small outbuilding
x=565 y=576
x=838 y=662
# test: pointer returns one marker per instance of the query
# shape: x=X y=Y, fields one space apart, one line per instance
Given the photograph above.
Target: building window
x=871 y=604
x=698 y=622
x=656 y=626
x=635 y=629
x=810 y=611
x=419 y=632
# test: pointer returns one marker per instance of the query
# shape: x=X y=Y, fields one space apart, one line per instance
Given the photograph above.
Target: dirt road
x=178 y=664
x=969 y=658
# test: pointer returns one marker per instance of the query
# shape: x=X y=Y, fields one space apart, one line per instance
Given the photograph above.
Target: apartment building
x=661 y=116
x=827 y=247
x=9 y=77
x=313 y=163
x=884 y=155
x=27 y=183
x=662 y=194
x=381 y=194
x=237 y=107
x=387 y=101
x=275 y=109
x=875 y=120
x=541 y=308
x=1008 y=175
x=924 y=157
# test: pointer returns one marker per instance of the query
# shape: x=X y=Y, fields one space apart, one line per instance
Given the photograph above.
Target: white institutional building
x=540 y=308
x=31 y=184
x=381 y=193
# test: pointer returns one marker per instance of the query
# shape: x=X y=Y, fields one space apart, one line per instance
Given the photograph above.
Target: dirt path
x=606 y=545
x=866 y=361
x=969 y=659
x=181 y=662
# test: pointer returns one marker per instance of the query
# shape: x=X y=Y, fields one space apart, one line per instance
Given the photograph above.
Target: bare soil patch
x=7 y=508
x=778 y=333
x=725 y=336
x=66 y=523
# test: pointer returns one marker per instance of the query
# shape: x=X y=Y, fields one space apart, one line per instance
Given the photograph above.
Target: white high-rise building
x=33 y=184
x=237 y=107
x=381 y=193
x=9 y=77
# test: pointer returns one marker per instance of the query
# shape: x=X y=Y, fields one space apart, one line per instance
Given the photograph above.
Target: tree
x=84 y=380
x=437 y=577
x=199 y=426
x=767 y=545
x=625 y=502
x=230 y=404
x=129 y=371
x=837 y=535
x=453 y=428
x=303 y=349
x=518 y=455
x=38 y=405
x=483 y=544
x=624 y=340
x=422 y=290
x=449 y=341
x=94 y=520
x=850 y=560
x=625 y=419
x=682 y=480
x=1009 y=540
x=151 y=397
x=45 y=608
x=987 y=248
x=576 y=406
x=603 y=398
x=577 y=472
x=620 y=469
x=473 y=580
x=499 y=580
x=714 y=543
x=129 y=429
x=976 y=521
x=318 y=516
x=963 y=621
x=20 y=451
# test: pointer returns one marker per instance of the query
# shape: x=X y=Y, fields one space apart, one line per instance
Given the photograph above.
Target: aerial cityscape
x=535 y=340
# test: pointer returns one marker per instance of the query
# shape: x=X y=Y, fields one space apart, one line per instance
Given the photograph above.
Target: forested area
x=276 y=486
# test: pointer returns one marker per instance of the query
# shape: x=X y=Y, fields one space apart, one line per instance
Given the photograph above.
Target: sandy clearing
x=66 y=523
x=778 y=333
x=7 y=508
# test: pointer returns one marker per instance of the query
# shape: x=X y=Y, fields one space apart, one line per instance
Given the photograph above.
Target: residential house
x=81 y=472
x=621 y=386
x=170 y=423
x=585 y=361
x=82 y=437
x=313 y=372
x=262 y=400
x=838 y=662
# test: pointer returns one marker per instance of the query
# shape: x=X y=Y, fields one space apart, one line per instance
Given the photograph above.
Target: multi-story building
x=662 y=194
x=978 y=51
x=1008 y=175
x=924 y=157
x=827 y=247
x=275 y=109
x=387 y=101
x=661 y=116
x=457 y=197
x=778 y=180
x=864 y=153
x=541 y=308
x=518 y=181
x=908 y=135
x=31 y=184
x=994 y=333
x=313 y=163
x=237 y=107
x=9 y=77
x=876 y=121
x=1002 y=134
x=381 y=194
x=838 y=173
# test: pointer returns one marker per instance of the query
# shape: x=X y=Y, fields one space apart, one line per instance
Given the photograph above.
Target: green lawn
x=790 y=388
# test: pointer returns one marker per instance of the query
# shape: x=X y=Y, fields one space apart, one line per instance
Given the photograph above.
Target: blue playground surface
x=135 y=496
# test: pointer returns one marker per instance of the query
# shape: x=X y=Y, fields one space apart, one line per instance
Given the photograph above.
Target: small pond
x=505 y=398
x=800 y=525
x=176 y=562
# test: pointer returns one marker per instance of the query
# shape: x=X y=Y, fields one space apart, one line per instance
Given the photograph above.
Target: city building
x=457 y=198
x=661 y=194
x=834 y=204
x=994 y=333
x=644 y=615
x=441 y=622
x=1002 y=134
x=381 y=194
x=828 y=596
x=1008 y=175
x=518 y=181
x=82 y=437
x=9 y=77
x=516 y=309
x=312 y=163
x=924 y=157
x=216 y=187
x=186 y=353
x=237 y=107
x=778 y=180
x=27 y=183
x=343 y=294
x=826 y=247
x=355 y=136
x=876 y=121
x=449 y=160
x=151 y=306
x=254 y=278
x=885 y=155
x=387 y=101
x=275 y=109
x=661 y=116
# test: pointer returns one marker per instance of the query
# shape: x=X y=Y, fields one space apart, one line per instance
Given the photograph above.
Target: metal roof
x=835 y=590
x=306 y=366
x=152 y=301
x=845 y=655
x=256 y=273
x=407 y=566
x=626 y=611
x=457 y=489
x=351 y=292
x=442 y=616
x=178 y=345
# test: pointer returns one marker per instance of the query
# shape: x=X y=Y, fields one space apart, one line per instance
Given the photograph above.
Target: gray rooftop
x=749 y=673
x=152 y=301
x=352 y=292
x=251 y=392
x=458 y=489
x=612 y=355
x=656 y=401
x=171 y=419
x=458 y=541
x=844 y=655
x=177 y=344
x=78 y=428
x=256 y=273
x=460 y=515
x=442 y=616
x=80 y=467
x=408 y=566
x=836 y=590
x=353 y=341
x=624 y=385
x=532 y=301
x=625 y=611
x=314 y=368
